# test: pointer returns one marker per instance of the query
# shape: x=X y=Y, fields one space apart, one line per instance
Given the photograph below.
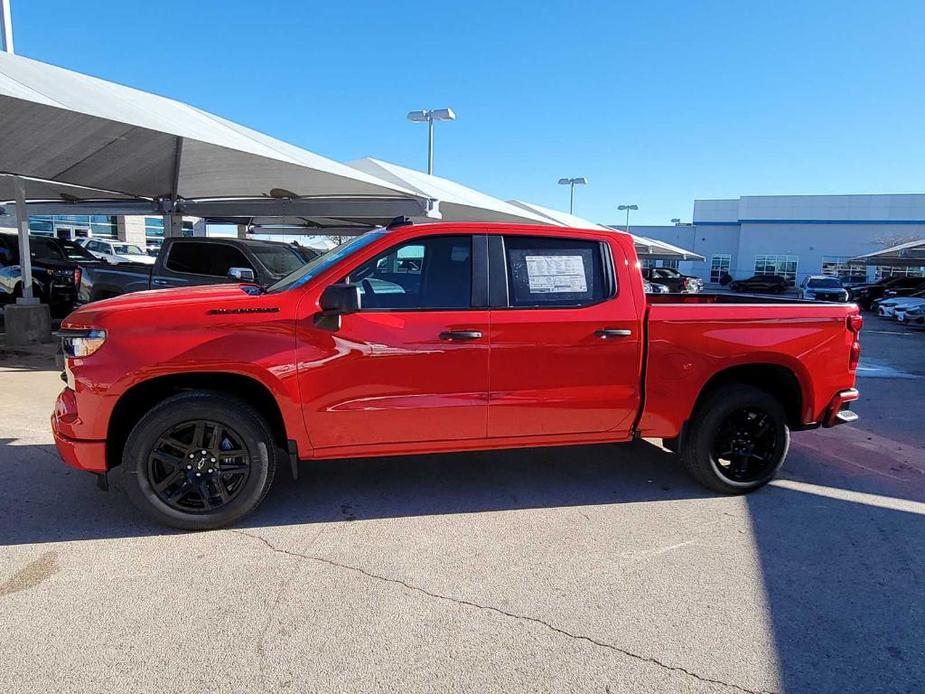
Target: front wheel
x=198 y=461
x=737 y=440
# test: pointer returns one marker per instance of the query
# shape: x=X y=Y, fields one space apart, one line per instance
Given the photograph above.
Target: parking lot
x=599 y=568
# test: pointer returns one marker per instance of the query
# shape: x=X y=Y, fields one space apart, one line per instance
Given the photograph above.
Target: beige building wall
x=132 y=230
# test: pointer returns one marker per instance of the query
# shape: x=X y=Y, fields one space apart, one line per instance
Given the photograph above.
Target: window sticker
x=556 y=274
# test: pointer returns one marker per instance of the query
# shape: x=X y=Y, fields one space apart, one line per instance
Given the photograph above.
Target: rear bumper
x=837 y=412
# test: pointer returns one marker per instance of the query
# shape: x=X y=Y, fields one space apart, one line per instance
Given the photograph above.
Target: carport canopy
x=67 y=129
x=909 y=254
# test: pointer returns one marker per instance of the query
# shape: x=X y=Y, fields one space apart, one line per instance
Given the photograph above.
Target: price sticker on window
x=556 y=274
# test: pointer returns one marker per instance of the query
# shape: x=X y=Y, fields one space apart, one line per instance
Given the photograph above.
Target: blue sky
x=657 y=103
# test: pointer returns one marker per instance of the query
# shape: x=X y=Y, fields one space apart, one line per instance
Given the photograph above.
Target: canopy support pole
x=27 y=321
x=25 y=251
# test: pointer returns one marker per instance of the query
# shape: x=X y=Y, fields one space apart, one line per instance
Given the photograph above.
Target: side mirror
x=241 y=274
x=337 y=300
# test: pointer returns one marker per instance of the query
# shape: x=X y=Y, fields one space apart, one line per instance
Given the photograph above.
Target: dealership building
x=795 y=235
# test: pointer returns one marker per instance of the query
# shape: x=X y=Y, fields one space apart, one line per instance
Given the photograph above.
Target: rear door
x=188 y=263
x=566 y=340
x=412 y=365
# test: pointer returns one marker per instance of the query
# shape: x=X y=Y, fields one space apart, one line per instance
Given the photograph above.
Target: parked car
x=767 y=284
x=116 y=251
x=57 y=266
x=654 y=287
x=888 y=308
x=823 y=288
x=183 y=262
x=674 y=280
x=498 y=336
x=914 y=315
x=866 y=294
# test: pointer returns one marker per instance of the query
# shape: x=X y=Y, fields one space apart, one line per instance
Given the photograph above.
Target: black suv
x=56 y=270
x=769 y=284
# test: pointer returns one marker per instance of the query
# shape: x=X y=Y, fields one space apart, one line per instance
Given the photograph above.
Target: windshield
x=279 y=260
x=127 y=249
x=828 y=283
x=315 y=267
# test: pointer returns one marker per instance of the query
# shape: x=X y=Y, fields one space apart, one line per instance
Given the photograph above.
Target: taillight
x=77 y=272
x=686 y=283
x=855 y=323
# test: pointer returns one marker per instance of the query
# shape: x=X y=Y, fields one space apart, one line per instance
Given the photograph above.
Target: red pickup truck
x=439 y=337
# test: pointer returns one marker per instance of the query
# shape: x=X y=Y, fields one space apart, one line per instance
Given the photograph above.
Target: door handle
x=612 y=332
x=159 y=283
x=461 y=335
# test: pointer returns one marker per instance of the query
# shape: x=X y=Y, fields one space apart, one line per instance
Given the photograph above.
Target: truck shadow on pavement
x=42 y=500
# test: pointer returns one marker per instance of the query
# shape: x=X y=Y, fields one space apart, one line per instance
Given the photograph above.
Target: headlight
x=78 y=342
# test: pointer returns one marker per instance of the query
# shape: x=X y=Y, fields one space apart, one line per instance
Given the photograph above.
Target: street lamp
x=572 y=182
x=429 y=116
x=628 y=208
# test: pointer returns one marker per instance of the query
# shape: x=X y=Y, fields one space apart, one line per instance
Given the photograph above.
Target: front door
x=412 y=365
x=566 y=344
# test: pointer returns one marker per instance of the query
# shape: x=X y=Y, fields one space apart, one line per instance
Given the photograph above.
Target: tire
x=164 y=449
x=723 y=421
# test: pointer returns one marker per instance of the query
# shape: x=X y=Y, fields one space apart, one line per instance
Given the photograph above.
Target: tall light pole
x=572 y=182
x=628 y=208
x=430 y=116
x=6 y=27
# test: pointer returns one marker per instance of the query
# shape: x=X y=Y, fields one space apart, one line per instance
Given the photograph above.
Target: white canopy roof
x=911 y=253
x=65 y=127
x=457 y=202
x=645 y=247
x=564 y=219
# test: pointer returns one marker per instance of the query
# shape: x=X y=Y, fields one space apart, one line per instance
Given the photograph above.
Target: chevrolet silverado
x=432 y=338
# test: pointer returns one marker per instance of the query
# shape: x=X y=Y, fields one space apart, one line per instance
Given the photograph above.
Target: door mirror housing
x=337 y=300
x=241 y=274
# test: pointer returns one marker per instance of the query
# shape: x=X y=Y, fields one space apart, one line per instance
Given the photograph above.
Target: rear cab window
x=212 y=259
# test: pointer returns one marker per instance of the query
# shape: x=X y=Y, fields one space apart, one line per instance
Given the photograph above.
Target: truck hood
x=219 y=296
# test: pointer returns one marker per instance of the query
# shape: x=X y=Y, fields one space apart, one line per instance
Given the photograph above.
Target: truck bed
x=803 y=345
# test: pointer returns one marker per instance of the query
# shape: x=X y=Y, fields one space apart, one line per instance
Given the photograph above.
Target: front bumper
x=837 y=412
x=78 y=453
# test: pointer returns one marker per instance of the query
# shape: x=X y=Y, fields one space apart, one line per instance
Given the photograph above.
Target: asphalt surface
x=577 y=569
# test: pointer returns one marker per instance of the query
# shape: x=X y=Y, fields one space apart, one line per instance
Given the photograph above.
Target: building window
x=838 y=266
x=74 y=226
x=154 y=229
x=649 y=262
x=899 y=271
x=783 y=265
x=719 y=266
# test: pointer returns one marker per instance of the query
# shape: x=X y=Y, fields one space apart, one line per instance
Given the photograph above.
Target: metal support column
x=25 y=251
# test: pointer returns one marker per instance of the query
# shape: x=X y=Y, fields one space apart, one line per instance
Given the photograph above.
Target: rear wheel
x=199 y=460
x=737 y=440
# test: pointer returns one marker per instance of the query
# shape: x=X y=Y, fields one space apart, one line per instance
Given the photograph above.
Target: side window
x=548 y=272
x=424 y=274
x=213 y=259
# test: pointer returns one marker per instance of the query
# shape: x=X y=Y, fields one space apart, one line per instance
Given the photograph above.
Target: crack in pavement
x=489 y=608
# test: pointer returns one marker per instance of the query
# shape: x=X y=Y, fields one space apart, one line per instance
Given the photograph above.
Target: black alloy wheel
x=745 y=445
x=198 y=460
x=198 y=466
x=736 y=439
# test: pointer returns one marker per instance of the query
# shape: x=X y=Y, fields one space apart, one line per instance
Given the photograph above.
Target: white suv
x=116 y=251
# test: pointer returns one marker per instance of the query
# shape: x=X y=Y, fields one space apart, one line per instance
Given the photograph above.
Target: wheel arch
x=142 y=397
x=777 y=379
